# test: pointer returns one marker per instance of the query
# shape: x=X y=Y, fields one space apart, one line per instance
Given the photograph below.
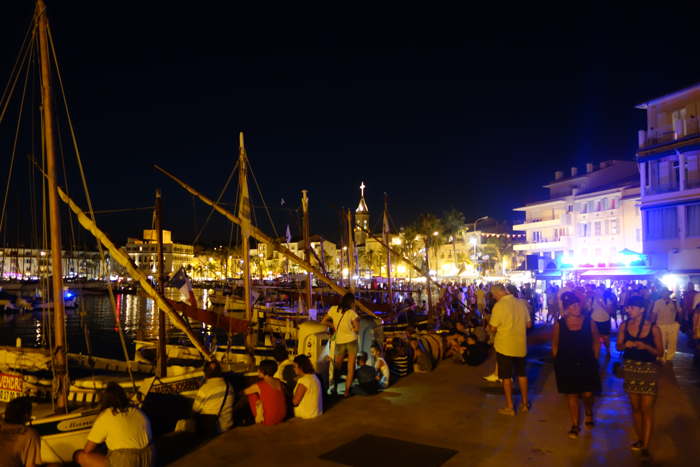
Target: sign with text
x=10 y=387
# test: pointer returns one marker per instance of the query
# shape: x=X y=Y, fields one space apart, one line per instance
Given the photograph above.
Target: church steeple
x=361 y=218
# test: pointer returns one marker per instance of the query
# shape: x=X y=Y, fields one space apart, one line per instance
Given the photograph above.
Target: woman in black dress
x=575 y=346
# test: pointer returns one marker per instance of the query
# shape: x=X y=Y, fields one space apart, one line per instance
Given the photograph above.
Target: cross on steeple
x=362 y=189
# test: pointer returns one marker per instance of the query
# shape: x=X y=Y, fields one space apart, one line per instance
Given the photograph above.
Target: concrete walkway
x=452 y=407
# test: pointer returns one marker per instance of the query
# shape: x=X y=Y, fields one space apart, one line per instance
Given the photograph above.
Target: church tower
x=361 y=218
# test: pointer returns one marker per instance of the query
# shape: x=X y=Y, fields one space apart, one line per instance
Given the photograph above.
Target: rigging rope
x=88 y=198
x=21 y=59
x=211 y=211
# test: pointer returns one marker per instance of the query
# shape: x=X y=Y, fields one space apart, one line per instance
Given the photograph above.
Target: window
x=590 y=206
x=613 y=227
x=583 y=208
x=661 y=223
x=596 y=226
x=606 y=230
x=680 y=123
x=692 y=222
x=638 y=235
x=692 y=171
x=604 y=204
x=613 y=203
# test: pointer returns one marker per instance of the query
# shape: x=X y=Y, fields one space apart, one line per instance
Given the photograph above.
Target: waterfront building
x=591 y=220
x=269 y=262
x=33 y=263
x=669 y=167
x=143 y=252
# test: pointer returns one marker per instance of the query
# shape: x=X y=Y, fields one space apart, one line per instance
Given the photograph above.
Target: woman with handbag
x=575 y=347
x=640 y=340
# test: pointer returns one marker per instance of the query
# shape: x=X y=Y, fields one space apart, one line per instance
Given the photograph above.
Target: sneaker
x=507 y=411
x=636 y=446
x=491 y=378
x=574 y=431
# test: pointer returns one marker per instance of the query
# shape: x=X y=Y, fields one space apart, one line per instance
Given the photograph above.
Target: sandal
x=636 y=446
x=589 y=421
x=574 y=431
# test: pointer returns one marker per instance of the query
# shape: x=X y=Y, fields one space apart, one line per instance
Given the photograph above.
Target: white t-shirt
x=342 y=322
x=600 y=313
x=311 y=404
x=510 y=318
x=384 y=370
x=125 y=430
x=209 y=398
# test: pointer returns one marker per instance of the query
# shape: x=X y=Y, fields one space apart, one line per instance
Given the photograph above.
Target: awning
x=621 y=273
x=550 y=275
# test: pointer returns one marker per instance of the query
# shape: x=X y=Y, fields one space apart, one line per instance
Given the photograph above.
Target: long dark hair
x=114 y=397
x=304 y=364
x=347 y=301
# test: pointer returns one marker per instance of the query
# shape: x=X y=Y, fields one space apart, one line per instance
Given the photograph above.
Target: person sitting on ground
x=213 y=404
x=422 y=362
x=366 y=377
x=308 y=396
x=474 y=351
x=123 y=428
x=380 y=365
x=266 y=398
x=20 y=445
x=397 y=357
x=285 y=365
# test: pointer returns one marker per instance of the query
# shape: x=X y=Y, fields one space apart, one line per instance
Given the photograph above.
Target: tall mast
x=308 y=293
x=385 y=231
x=351 y=254
x=244 y=214
x=61 y=383
x=161 y=367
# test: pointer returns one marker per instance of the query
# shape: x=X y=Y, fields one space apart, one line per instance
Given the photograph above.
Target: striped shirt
x=210 y=398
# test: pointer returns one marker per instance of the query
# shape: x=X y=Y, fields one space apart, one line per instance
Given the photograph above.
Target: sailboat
x=64 y=423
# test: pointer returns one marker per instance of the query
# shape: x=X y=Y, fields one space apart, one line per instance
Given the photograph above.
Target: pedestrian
x=640 y=340
x=575 y=347
x=308 y=396
x=665 y=314
x=346 y=325
x=20 y=444
x=213 y=404
x=123 y=428
x=600 y=313
x=509 y=321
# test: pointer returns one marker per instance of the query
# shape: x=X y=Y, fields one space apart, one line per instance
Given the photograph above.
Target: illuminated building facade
x=669 y=166
x=33 y=263
x=588 y=220
x=144 y=252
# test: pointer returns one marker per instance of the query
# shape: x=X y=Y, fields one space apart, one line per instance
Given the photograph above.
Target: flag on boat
x=282 y=202
x=288 y=235
x=182 y=282
x=244 y=211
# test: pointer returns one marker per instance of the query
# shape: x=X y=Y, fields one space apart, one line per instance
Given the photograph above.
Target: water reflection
x=137 y=315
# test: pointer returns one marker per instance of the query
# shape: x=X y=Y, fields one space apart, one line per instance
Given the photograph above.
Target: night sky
x=467 y=109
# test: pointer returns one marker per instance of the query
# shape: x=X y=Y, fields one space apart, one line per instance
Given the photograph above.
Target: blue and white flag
x=182 y=282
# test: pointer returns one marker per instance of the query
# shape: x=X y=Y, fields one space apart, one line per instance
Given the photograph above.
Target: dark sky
x=439 y=108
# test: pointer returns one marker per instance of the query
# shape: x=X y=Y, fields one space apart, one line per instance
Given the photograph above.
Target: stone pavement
x=452 y=407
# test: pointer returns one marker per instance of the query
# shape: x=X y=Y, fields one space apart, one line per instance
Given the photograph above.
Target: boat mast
x=307 y=248
x=385 y=231
x=244 y=215
x=161 y=363
x=59 y=351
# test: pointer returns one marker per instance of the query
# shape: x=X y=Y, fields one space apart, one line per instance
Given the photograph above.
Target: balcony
x=538 y=224
x=544 y=245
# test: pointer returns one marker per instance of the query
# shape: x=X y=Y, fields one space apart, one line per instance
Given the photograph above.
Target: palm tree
x=498 y=247
x=453 y=222
x=431 y=229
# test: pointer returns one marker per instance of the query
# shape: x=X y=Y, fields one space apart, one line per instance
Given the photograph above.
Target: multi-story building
x=669 y=167
x=588 y=221
x=144 y=252
x=274 y=263
x=33 y=263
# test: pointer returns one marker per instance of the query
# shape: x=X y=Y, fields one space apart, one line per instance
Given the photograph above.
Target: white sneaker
x=491 y=378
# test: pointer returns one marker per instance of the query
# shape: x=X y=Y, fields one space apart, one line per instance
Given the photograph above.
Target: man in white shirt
x=214 y=401
x=510 y=320
x=664 y=313
x=346 y=324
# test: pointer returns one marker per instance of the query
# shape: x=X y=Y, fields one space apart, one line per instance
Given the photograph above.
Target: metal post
x=162 y=356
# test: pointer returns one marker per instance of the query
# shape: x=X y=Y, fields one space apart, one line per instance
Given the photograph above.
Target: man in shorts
x=509 y=321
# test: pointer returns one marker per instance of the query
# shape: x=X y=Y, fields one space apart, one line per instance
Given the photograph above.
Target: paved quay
x=453 y=408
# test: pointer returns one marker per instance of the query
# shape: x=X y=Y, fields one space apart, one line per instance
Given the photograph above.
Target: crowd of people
x=471 y=322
